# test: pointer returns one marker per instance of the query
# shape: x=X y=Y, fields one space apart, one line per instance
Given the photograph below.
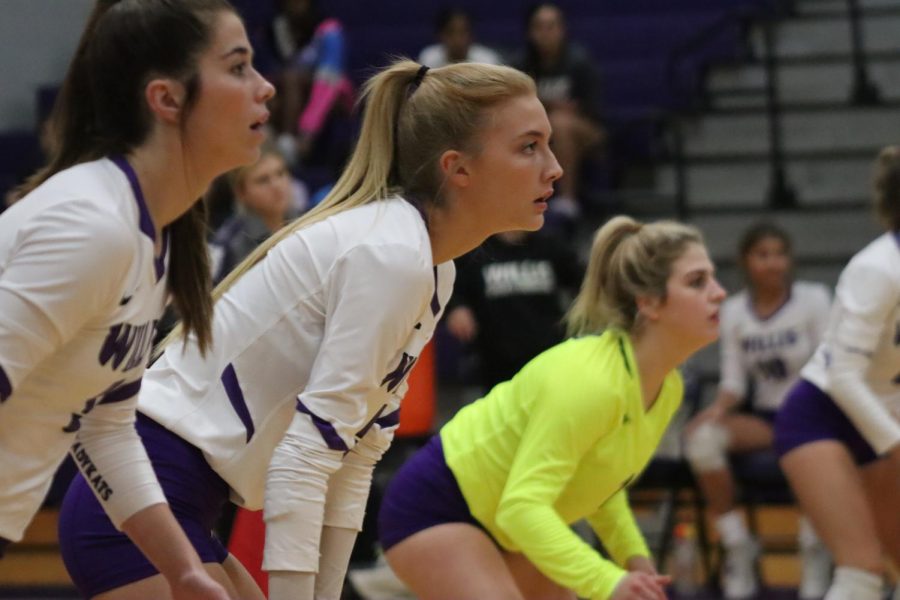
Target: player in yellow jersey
x=483 y=511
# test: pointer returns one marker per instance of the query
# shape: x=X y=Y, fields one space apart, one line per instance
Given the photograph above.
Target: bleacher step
x=823 y=83
x=818 y=183
x=829 y=35
x=837 y=129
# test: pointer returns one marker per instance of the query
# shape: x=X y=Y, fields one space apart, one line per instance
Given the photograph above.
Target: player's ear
x=165 y=98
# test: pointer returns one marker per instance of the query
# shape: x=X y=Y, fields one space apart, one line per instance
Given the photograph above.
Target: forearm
x=557 y=551
x=336 y=547
x=616 y=527
x=294 y=508
x=111 y=456
x=161 y=539
x=290 y=585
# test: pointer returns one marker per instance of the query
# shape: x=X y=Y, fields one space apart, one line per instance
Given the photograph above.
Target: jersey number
x=774 y=368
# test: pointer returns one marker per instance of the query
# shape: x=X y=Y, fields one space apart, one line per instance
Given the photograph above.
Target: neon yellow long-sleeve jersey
x=558 y=443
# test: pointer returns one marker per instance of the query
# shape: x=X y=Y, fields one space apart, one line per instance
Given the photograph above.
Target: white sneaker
x=739 y=572
x=378 y=583
x=816 y=572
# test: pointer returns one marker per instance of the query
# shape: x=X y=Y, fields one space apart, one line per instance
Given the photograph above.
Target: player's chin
x=533 y=223
x=247 y=155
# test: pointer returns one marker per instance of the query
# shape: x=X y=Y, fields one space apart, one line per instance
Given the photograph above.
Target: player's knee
x=706 y=449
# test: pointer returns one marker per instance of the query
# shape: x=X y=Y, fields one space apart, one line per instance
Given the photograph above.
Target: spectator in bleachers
x=838 y=432
x=312 y=84
x=509 y=300
x=453 y=28
x=267 y=197
x=569 y=86
x=769 y=331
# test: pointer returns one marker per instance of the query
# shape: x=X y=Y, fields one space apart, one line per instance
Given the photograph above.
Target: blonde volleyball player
x=316 y=331
x=160 y=98
x=838 y=432
x=769 y=331
x=484 y=509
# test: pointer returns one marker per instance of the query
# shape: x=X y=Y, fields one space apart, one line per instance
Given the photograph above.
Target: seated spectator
x=569 y=86
x=312 y=84
x=267 y=197
x=768 y=332
x=510 y=298
x=453 y=28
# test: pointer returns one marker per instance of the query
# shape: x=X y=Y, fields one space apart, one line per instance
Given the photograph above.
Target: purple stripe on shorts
x=809 y=415
x=326 y=429
x=236 y=397
x=5 y=386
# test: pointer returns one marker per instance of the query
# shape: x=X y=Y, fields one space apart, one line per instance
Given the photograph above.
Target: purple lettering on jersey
x=90 y=471
x=236 y=397
x=770 y=341
x=5 y=386
x=117 y=392
x=326 y=429
x=124 y=339
x=396 y=377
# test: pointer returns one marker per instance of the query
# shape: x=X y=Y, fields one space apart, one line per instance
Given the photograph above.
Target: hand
x=461 y=324
x=640 y=586
x=197 y=585
x=640 y=564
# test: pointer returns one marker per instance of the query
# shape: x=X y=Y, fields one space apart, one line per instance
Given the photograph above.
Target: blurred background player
x=510 y=299
x=838 y=432
x=769 y=331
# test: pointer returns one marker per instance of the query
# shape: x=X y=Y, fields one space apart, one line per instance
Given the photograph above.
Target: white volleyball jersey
x=858 y=361
x=80 y=294
x=770 y=350
x=319 y=336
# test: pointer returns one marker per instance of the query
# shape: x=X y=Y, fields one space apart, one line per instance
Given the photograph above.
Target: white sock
x=806 y=534
x=732 y=529
x=850 y=583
